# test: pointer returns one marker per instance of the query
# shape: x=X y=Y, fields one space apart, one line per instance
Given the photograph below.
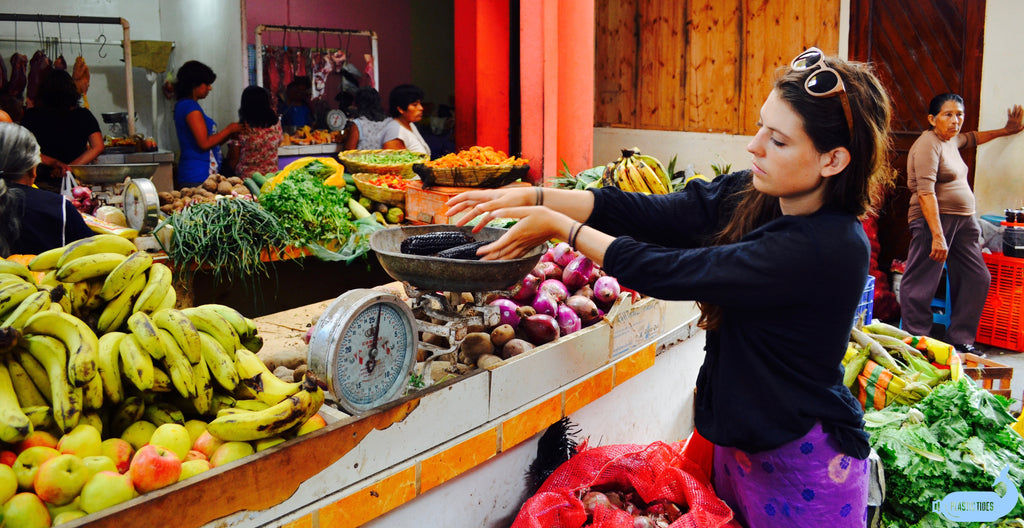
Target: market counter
x=163 y=178
x=457 y=450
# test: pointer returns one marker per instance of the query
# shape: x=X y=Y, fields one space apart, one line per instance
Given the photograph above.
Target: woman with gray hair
x=31 y=220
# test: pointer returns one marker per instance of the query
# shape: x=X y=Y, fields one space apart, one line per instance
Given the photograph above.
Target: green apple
x=55 y=510
x=60 y=479
x=229 y=452
x=36 y=438
x=191 y=468
x=68 y=516
x=8 y=483
x=174 y=437
x=92 y=418
x=195 y=428
x=206 y=444
x=138 y=433
x=84 y=440
x=105 y=489
x=25 y=510
x=118 y=450
x=154 y=467
x=266 y=443
x=28 y=462
x=95 y=464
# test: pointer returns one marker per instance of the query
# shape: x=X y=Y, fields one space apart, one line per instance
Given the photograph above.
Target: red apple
x=36 y=438
x=154 y=467
x=195 y=455
x=27 y=511
x=118 y=450
x=105 y=489
x=60 y=479
x=173 y=437
x=7 y=458
x=314 y=423
x=206 y=444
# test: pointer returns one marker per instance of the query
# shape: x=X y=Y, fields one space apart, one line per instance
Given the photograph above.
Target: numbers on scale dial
x=378 y=334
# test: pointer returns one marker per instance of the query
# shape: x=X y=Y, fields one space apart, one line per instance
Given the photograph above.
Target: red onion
x=585 y=291
x=545 y=304
x=81 y=193
x=568 y=321
x=584 y=307
x=595 y=274
x=562 y=254
x=547 y=270
x=540 y=329
x=606 y=290
x=525 y=290
x=309 y=334
x=546 y=257
x=554 y=288
x=577 y=273
x=508 y=309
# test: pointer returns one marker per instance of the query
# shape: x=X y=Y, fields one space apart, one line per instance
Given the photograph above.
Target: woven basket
x=377 y=193
x=484 y=176
x=353 y=162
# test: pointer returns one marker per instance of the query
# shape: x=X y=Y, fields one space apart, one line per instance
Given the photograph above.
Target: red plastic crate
x=1002 y=319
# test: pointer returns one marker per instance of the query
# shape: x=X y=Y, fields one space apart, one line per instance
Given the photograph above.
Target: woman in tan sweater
x=942 y=224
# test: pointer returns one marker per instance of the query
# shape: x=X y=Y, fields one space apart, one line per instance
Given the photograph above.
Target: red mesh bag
x=653 y=472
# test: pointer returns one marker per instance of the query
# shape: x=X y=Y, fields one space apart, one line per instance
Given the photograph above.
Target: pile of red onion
x=82 y=199
x=565 y=292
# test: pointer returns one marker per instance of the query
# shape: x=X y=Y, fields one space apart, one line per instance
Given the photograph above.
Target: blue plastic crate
x=867 y=302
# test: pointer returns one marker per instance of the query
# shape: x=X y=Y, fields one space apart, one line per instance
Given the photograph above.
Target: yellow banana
x=161 y=380
x=65 y=398
x=221 y=401
x=60 y=295
x=231 y=410
x=251 y=405
x=169 y=301
x=17 y=268
x=214 y=324
x=94 y=419
x=50 y=279
x=659 y=170
x=608 y=176
x=622 y=178
x=31 y=305
x=178 y=365
x=47 y=260
x=272 y=421
x=89 y=267
x=161 y=413
x=120 y=277
x=129 y=412
x=204 y=387
x=650 y=177
x=117 y=311
x=78 y=294
x=92 y=299
x=35 y=370
x=254 y=374
x=81 y=342
x=12 y=295
x=109 y=367
x=28 y=393
x=635 y=179
x=136 y=363
x=183 y=331
x=220 y=363
x=243 y=326
x=92 y=394
x=40 y=416
x=146 y=332
x=157 y=286
x=96 y=244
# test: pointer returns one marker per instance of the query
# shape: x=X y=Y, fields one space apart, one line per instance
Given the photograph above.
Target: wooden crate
x=992 y=376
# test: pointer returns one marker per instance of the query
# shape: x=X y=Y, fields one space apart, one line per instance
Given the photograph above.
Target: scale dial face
x=141 y=205
x=367 y=342
x=336 y=120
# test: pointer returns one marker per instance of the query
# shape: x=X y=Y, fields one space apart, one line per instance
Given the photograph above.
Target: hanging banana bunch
x=635 y=172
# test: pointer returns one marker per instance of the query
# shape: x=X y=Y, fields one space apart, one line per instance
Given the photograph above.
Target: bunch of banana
x=635 y=172
x=274 y=420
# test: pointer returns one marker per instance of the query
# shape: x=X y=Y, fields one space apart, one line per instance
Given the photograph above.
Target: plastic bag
x=67 y=184
x=357 y=245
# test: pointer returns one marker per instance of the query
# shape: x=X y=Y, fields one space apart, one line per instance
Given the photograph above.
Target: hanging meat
x=287 y=67
x=80 y=74
x=19 y=78
x=37 y=68
x=271 y=74
x=60 y=64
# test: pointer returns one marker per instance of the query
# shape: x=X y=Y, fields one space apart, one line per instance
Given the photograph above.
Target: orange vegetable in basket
x=474 y=157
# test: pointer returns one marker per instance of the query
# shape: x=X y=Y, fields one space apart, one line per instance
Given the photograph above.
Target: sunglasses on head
x=825 y=82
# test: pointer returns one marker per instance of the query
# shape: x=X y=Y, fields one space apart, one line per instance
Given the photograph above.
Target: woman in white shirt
x=405 y=103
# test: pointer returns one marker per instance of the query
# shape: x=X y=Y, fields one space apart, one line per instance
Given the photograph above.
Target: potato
x=284 y=373
x=300 y=372
x=167 y=208
x=434 y=339
x=502 y=334
x=210 y=184
x=235 y=180
x=165 y=197
x=444 y=370
x=488 y=361
x=240 y=189
x=475 y=345
x=287 y=358
x=515 y=347
x=224 y=188
x=176 y=194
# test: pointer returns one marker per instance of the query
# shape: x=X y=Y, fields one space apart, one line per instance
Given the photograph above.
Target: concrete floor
x=1012 y=359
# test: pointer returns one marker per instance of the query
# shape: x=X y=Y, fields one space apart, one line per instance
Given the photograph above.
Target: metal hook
x=81 y=53
x=100 y=52
x=60 y=40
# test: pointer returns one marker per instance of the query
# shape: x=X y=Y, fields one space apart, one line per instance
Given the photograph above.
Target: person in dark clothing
x=777 y=259
x=67 y=133
x=31 y=220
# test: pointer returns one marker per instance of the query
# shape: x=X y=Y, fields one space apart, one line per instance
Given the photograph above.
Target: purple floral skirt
x=805 y=483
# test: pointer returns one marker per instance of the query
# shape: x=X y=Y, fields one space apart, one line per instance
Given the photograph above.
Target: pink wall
x=389 y=18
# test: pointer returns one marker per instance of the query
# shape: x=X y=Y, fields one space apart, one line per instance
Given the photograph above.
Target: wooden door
x=920 y=48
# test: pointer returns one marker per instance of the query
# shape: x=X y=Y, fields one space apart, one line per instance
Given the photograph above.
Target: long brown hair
x=859 y=188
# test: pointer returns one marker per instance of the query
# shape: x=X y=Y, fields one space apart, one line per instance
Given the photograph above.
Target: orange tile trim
x=458 y=459
x=635 y=363
x=370 y=502
x=530 y=422
x=590 y=390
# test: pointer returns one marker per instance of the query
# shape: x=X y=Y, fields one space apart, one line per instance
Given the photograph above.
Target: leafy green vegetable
x=310 y=211
x=566 y=180
x=961 y=444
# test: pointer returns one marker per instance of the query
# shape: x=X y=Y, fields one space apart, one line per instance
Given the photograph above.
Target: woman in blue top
x=197 y=134
x=777 y=258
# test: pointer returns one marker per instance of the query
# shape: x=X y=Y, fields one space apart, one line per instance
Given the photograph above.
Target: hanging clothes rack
x=126 y=44
x=320 y=31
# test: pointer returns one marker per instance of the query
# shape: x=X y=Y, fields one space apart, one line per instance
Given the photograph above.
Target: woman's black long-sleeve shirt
x=788 y=292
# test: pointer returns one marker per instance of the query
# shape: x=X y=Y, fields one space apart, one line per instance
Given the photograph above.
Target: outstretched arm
x=1014 y=124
